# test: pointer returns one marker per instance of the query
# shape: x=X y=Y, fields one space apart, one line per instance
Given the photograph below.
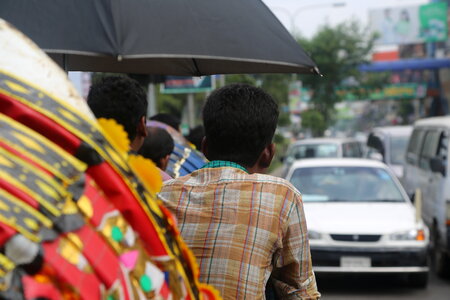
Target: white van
x=426 y=167
x=388 y=144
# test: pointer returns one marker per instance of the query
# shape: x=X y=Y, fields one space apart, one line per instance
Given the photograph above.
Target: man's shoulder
x=176 y=181
x=278 y=181
x=192 y=180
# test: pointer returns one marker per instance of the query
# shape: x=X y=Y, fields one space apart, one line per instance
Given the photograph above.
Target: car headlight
x=410 y=235
x=314 y=235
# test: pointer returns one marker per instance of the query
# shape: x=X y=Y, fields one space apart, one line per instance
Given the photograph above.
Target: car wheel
x=440 y=258
x=441 y=263
x=418 y=280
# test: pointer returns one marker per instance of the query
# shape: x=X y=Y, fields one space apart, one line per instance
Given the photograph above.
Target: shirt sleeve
x=293 y=276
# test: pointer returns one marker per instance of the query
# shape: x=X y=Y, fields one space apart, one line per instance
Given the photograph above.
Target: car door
x=428 y=180
x=410 y=178
x=439 y=182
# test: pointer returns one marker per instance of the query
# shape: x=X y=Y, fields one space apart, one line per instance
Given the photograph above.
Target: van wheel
x=441 y=259
x=441 y=263
x=418 y=280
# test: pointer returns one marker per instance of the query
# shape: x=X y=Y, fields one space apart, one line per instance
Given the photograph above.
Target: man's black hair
x=168 y=119
x=196 y=135
x=158 y=144
x=240 y=121
x=120 y=98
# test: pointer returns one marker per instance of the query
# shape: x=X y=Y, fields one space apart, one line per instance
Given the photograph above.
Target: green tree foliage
x=240 y=78
x=314 y=121
x=277 y=86
x=170 y=103
x=337 y=51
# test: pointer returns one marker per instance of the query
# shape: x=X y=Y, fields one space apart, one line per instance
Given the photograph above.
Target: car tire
x=441 y=263
x=441 y=260
x=418 y=280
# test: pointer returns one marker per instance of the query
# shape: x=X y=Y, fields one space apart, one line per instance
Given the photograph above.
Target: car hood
x=362 y=218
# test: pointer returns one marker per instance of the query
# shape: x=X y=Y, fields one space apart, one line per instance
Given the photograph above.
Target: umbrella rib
x=197 y=71
x=142 y=56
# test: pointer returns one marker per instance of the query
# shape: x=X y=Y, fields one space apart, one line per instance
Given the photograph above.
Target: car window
x=313 y=150
x=360 y=184
x=398 y=149
x=429 y=150
x=351 y=150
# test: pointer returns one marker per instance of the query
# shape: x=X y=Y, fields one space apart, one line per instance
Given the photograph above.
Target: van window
x=398 y=146
x=430 y=146
x=414 y=147
x=351 y=150
x=313 y=150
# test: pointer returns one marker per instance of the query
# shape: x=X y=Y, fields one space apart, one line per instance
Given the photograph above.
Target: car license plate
x=355 y=262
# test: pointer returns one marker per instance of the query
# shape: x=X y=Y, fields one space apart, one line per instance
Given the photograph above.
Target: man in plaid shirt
x=243 y=226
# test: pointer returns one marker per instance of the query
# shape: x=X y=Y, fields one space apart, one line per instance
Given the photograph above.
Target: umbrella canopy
x=177 y=37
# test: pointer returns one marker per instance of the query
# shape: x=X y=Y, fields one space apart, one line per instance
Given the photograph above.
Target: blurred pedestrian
x=122 y=99
x=158 y=146
x=168 y=119
x=195 y=136
x=243 y=226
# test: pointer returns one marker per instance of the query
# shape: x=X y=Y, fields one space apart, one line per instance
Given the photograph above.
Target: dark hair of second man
x=240 y=121
x=167 y=119
x=120 y=98
x=157 y=145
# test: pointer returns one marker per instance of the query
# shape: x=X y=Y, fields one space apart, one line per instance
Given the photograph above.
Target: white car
x=388 y=144
x=321 y=148
x=360 y=219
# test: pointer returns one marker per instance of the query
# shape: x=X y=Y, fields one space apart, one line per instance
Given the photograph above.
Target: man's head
x=240 y=121
x=122 y=99
x=167 y=119
x=158 y=146
x=196 y=135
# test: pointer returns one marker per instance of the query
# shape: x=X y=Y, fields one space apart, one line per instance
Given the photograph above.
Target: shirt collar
x=223 y=163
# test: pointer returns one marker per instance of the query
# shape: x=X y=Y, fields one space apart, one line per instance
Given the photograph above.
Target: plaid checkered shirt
x=242 y=228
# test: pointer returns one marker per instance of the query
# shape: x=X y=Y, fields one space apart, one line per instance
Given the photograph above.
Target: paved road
x=343 y=287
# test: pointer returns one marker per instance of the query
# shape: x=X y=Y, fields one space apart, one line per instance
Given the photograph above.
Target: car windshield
x=313 y=150
x=398 y=149
x=356 y=184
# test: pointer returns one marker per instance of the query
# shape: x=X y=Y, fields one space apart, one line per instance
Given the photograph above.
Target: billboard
x=399 y=25
x=410 y=25
x=433 y=22
x=187 y=84
x=298 y=97
x=390 y=91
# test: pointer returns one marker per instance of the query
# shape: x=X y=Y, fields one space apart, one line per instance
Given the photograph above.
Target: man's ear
x=205 y=147
x=142 y=128
x=266 y=156
x=163 y=162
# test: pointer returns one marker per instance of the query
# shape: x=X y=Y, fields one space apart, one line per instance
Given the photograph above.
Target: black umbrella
x=171 y=37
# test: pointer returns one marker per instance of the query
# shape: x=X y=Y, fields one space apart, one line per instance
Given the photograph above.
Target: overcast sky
x=308 y=15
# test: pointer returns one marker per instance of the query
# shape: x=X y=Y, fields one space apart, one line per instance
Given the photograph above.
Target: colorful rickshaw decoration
x=79 y=217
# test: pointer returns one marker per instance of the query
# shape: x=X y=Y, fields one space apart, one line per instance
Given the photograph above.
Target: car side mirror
x=437 y=165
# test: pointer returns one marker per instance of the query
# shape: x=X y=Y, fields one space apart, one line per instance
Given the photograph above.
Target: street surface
x=343 y=287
